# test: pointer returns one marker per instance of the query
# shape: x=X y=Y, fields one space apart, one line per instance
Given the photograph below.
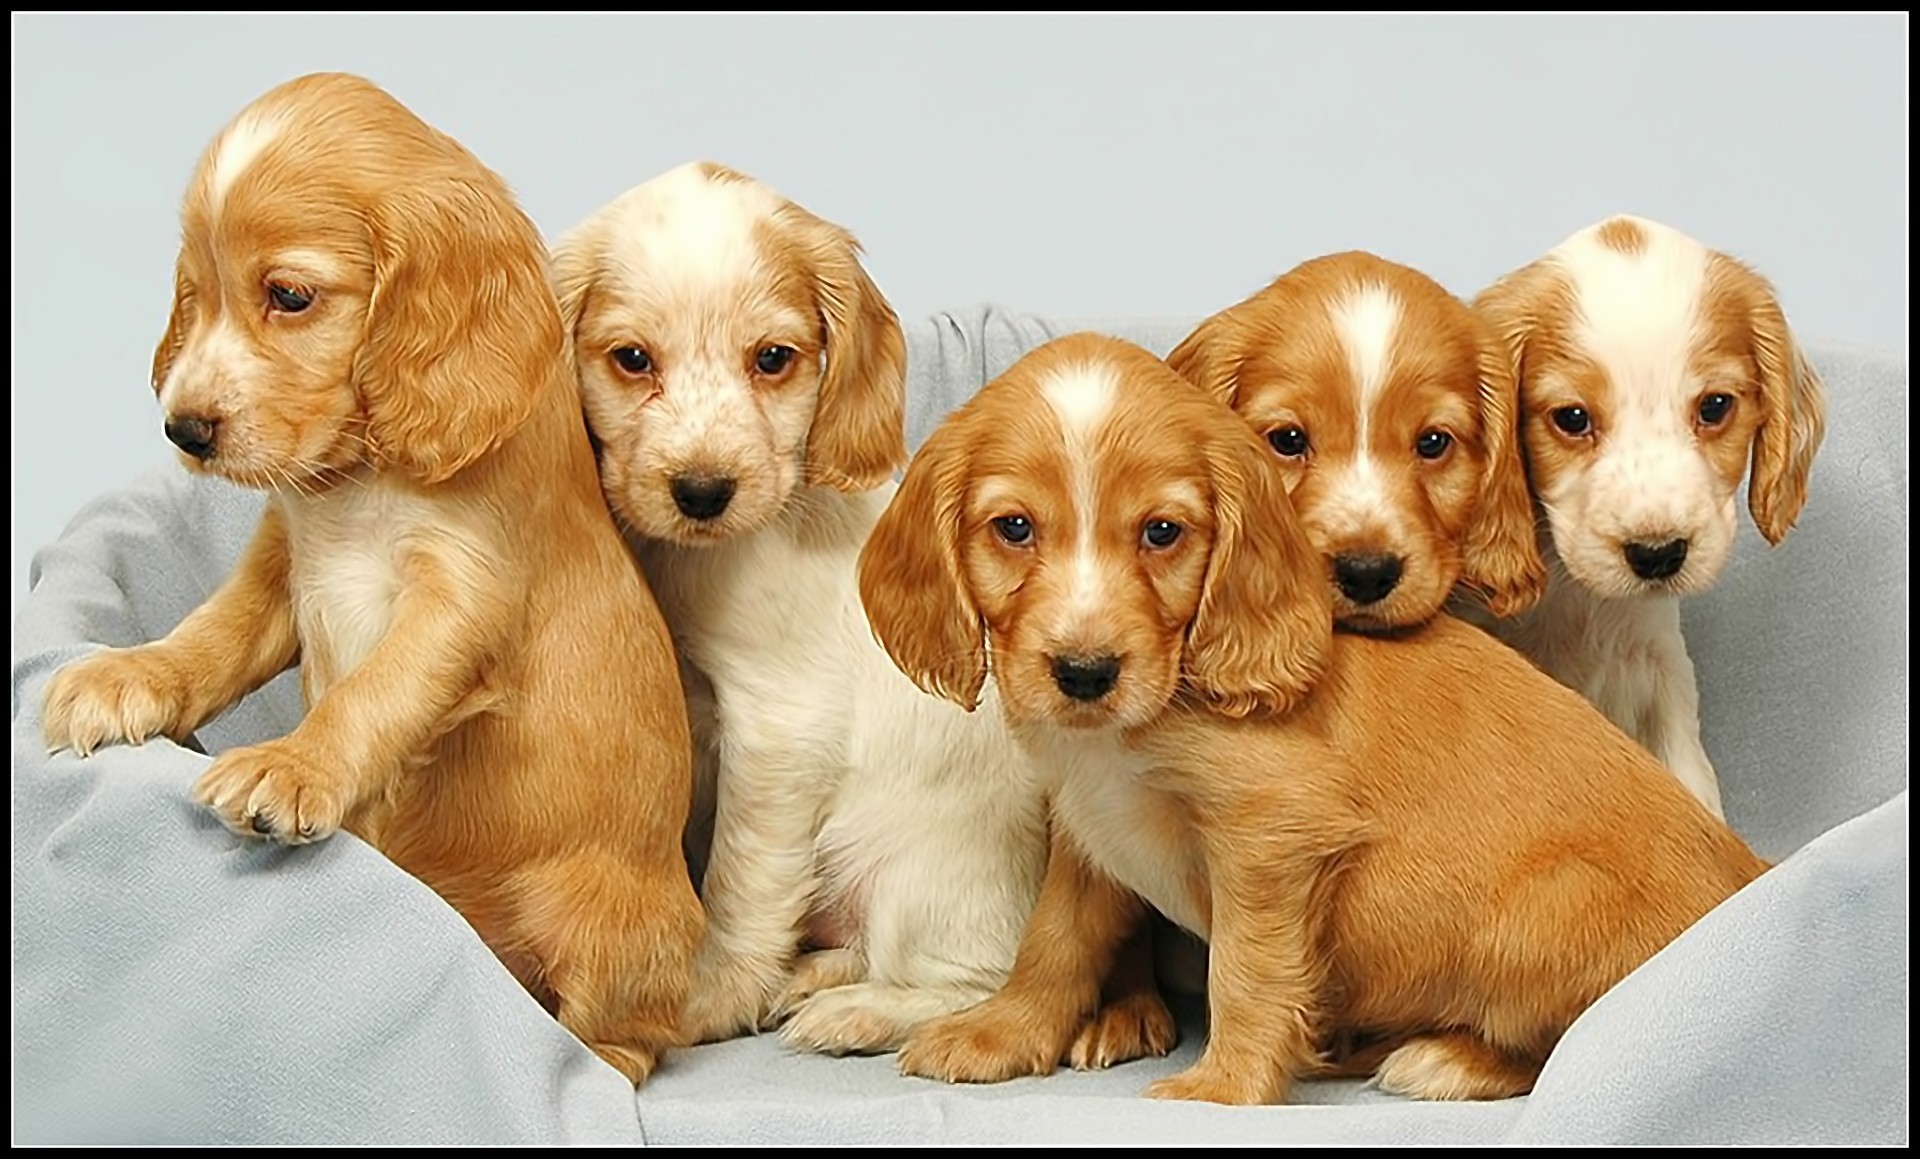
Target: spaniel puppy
x=1391 y=409
x=1413 y=850
x=363 y=327
x=1651 y=370
x=744 y=379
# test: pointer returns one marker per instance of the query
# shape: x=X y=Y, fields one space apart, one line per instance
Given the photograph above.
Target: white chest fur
x=1614 y=652
x=1134 y=832
x=348 y=550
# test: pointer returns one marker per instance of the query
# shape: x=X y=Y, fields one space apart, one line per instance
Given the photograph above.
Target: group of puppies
x=616 y=629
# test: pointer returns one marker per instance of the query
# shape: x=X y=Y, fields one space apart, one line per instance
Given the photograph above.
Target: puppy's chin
x=1385 y=616
x=294 y=475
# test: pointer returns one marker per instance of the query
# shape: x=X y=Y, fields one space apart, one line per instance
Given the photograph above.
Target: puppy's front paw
x=814 y=972
x=121 y=695
x=724 y=1004
x=990 y=1043
x=1211 y=1083
x=1137 y=1026
x=276 y=790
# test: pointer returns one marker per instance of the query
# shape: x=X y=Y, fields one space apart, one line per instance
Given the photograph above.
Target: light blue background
x=1068 y=165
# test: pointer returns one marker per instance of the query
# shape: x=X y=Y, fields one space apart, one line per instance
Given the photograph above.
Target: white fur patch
x=1636 y=311
x=240 y=147
x=1365 y=320
x=687 y=229
x=1081 y=398
x=346 y=573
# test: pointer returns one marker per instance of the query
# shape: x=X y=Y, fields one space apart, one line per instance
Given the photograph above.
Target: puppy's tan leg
x=1270 y=859
x=1133 y=1020
x=375 y=721
x=616 y=941
x=242 y=637
x=1079 y=922
x=1455 y=1066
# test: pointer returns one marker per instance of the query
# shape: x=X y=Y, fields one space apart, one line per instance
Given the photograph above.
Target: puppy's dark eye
x=1714 y=408
x=632 y=359
x=1016 y=530
x=1573 y=420
x=1160 y=533
x=1290 y=441
x=1432 y=444
x=773 y=359
x=287 y=299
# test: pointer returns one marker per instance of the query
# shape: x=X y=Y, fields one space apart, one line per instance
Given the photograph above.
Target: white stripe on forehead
x=240 y=146
x=1636 y=312
x=1082 y=397
x=1364 y=318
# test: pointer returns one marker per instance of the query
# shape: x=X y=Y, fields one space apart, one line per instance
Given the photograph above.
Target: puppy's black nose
x=1086 y=677
x=1656 y=561
x=701 y=497
x=1366 y=579
x=194 y=436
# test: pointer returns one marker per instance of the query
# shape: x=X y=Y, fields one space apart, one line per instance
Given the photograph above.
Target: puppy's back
x=1523 y=854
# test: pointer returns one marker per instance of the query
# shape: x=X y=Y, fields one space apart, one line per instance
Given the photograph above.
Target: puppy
x=744 y=378
x=1651 y=371
x=1412 y=847
x=362 y=327
x=1392 y=411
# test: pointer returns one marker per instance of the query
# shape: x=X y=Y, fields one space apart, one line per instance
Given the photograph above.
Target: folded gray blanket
x=172 y=984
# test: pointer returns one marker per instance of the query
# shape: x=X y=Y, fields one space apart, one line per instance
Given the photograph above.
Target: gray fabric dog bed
x=172 y=984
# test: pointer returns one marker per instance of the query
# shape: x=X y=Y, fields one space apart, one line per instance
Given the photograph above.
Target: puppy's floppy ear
x=1209 y=358
x=911 y=582
x=859 y=426
x=462 y=330
x=1265 y=622
x=1796 y=415
x=1512 y=310
x=573 y=266
x=1500 y=558
x=176 y=334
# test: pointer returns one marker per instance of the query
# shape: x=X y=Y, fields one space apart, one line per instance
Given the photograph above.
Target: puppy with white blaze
x=1652 y=370
x=874 y=851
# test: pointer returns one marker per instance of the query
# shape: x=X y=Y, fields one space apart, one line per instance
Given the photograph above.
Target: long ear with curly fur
x=1265 y=622
x=573 y=267
x=1501 y=559
x=1209 y=357
x=175 y=336
x=1790 y=434
x=858 y=435
x=462 y=331
x=911 y=583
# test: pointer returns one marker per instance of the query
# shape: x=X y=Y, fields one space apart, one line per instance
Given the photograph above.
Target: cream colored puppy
x=744 y=379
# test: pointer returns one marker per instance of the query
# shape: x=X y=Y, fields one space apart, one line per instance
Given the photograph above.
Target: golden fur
x=1412 y=850
x=1294 y=361
x=363 y=326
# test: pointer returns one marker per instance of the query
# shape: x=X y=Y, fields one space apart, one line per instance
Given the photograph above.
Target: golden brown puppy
x=1391 y=407
x=1416 y=844
x=362 y=327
